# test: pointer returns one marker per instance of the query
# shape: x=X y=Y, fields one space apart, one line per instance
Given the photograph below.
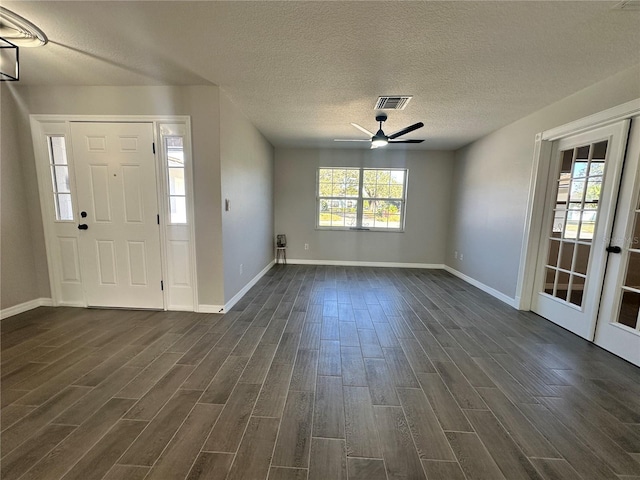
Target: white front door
x=578 y=217
x=618 y=328
x=119 y=240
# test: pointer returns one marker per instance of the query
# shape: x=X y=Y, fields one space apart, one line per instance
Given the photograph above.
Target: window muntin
x=361 y=198
x=174 y=150
x=60 y=182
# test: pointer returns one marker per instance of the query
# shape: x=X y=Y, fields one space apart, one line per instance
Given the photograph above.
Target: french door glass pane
x=579 y=188
x=629 y=307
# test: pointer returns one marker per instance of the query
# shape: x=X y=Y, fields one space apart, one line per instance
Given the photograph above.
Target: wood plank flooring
x=317 y=373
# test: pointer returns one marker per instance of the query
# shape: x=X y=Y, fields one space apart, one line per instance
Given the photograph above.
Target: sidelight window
x=61 y=184
x=174 y=150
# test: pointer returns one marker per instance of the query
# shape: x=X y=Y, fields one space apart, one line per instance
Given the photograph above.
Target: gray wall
x=200 y=102
x=491 y=183
x=424 y=238
x=18 y=273
x=246 y=161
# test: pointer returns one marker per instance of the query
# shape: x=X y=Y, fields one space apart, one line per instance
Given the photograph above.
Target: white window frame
x=360 y=199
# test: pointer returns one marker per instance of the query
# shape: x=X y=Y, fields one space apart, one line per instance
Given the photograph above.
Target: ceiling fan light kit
x=380 y=139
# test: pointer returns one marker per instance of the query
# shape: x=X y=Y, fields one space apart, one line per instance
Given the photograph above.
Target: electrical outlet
x=461 y=257
x=306 y=246
x=241 y=269
x=455 y=254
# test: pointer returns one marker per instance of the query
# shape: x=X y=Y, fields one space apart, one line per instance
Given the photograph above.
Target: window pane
x=577 y=290
x=339 y=193
x=550 y=278
x=175 y=151
x=554 y=250
x=60 y=179
x=176 y=181
x=58 y=150
x=383 y=191
x=577 y=190
x=64 y=210
x=597 y=168
x=382 y=214
x=580 y=169
x=178 y=209
x=629 y=308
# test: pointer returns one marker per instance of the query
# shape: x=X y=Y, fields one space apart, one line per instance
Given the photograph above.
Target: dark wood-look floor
x=318 y=373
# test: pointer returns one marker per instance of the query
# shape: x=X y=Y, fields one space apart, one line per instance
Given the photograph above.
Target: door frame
x=539 y=184
x=43 y=126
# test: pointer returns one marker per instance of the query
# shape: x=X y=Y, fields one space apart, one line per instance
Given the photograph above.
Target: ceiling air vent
x=397 y=102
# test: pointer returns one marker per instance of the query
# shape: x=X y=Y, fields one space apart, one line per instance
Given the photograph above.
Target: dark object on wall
x=9 y=61
x=281 y=240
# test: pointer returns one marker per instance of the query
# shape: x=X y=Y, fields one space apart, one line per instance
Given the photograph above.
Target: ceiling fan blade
x=350 y=140
x=362 y=129
x=404 y=131
x=406 y=141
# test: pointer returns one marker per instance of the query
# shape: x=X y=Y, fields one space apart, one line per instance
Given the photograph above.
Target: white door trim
x=538 y=189
x=46 y=125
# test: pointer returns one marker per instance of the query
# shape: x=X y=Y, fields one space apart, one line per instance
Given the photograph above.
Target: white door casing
x=553 y=274
x=62 y=237
x=115 y=176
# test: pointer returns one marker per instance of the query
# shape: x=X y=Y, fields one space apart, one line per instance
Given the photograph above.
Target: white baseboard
x=485 y=288
x=25 y=307
x=349 y=263
x=202 y=308
x=236 y=298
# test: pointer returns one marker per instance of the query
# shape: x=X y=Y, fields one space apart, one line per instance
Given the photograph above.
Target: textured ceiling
x=302 y=71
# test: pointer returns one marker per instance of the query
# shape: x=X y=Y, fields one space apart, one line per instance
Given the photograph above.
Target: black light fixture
x=9 y=61
x=16 y=32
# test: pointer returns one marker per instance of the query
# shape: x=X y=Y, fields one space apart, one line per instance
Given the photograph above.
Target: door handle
x=612 y=249
x=83 y=226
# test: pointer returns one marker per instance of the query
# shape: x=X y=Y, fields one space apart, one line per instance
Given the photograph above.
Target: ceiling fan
x=379 y=139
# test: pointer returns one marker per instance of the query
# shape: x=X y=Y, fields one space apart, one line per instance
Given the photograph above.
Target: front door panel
x=116 y=187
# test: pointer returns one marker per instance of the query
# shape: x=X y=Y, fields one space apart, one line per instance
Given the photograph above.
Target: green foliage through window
x=361 y=198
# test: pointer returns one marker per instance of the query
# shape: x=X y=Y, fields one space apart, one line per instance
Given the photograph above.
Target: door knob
x=612 y=249
x=83 y=226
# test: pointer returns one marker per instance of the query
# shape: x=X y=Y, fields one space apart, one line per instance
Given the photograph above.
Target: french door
x=618 y=328
x=586 y=278
x=119 y=237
